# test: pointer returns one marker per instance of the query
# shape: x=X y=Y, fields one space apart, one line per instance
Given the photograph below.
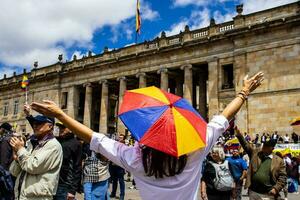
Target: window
x=64 y=102
x=16 y=107
x=227 y=76
x=5 y=109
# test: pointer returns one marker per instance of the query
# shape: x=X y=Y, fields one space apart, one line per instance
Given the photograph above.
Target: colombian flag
x=25 y=82
x=138 y=18
x=232 y=144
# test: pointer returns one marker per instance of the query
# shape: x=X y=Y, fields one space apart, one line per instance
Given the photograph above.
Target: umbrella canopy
x=295 y=122
x=163 y=121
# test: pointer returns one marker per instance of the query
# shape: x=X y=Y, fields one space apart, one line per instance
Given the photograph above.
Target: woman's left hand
x=48 y=108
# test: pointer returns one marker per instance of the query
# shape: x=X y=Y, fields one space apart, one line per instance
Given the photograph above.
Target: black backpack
x=6 y=183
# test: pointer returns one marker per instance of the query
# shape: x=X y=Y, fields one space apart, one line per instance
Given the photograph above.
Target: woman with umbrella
x=173 y=139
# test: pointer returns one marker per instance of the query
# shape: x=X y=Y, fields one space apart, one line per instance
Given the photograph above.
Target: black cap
x=43 y=119
x=6 y=126
x=270 y=143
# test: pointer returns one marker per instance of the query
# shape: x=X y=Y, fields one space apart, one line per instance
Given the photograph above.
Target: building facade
x=206 y=66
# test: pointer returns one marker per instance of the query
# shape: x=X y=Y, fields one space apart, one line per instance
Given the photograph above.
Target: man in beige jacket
x=37 y=164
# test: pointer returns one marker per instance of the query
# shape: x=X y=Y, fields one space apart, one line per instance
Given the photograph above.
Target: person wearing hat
x=70 y=172
x=37 y=164
x=266 y=175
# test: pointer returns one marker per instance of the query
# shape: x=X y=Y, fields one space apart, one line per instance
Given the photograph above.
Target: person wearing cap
x=70 y=173
x=238 y=168
x=37 y=164
x=266 y=175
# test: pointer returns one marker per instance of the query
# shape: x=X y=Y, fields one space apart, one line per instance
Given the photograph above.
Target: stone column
x=104 y=107
x=121 y=127
x=73 y=101
x=142 y=80
x=188 y=82
x=213 y=100
x=88 y=105
x=164 y=79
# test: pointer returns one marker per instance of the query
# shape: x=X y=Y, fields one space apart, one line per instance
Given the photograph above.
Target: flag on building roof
x=25 y=82
x=138 y=18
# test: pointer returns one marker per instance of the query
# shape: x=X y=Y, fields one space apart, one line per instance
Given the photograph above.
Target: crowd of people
x=280 y=139
x=261 y=138
x=43 y=166
x=54 y=167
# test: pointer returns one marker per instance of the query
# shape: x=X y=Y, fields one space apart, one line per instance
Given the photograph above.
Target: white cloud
x=40 y=30
x=201 y=18
x=79 y=54
x=26 y=59
x=197 y=19
x=188 y=2
x=176 y=28
x=122 y=30
x=8 y=71
x=147 y=13
x=251 y=6
x=182 y=3
x=220 y=18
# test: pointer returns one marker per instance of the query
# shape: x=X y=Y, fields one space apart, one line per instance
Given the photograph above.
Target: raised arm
x=50 y=109
x=246 y=146
x=29 y=117
x=249 y=85
x=115 y=151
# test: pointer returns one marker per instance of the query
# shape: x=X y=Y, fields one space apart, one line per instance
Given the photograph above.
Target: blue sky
x=35 y=30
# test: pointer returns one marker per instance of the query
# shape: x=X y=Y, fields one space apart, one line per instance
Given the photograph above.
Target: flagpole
x=26 y=96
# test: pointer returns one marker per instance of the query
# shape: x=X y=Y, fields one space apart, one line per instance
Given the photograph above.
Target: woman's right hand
x=252 y=83
x=48 y=108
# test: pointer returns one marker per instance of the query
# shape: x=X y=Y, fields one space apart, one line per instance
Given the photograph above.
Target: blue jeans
x=61 y=193
x=96 y=191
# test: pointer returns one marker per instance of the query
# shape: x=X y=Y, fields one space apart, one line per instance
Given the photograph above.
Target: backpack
x=292 y=185
x=223 y=180
x=6 y=183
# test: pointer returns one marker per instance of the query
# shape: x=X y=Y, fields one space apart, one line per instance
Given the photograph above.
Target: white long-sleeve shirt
x=179 y=187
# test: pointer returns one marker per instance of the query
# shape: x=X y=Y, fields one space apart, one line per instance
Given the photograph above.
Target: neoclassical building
x=206 y=66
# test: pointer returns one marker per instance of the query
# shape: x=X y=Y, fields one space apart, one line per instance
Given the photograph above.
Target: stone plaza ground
x=133 y=194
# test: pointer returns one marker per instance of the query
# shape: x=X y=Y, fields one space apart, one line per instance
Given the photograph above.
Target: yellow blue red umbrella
x=295 y=122
x=163 y=121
